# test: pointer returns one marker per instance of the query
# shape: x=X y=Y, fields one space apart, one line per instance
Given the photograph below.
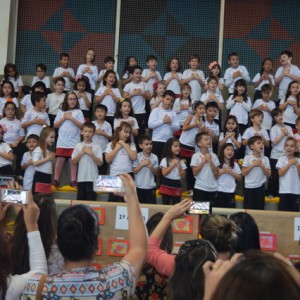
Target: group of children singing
x=184 y=121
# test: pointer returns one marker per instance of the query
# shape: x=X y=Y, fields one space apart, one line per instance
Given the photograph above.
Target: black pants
x=254 y=198
x=110 y=120
x=170 y=200
x=19 y=152
x=200 y=195
x=273 y=186
x=158 y=148
x=225 y=200
x=86 y=191
x=7 y=170
x=142 y=122
x=102 y=170
x=146 y=196
x=289 y=202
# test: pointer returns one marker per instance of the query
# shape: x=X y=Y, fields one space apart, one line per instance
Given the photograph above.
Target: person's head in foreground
x=251 y=276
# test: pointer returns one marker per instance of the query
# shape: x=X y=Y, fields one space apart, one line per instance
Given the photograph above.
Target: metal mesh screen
x=47 y=28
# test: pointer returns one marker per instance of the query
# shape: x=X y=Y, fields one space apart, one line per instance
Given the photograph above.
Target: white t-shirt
x=108 y=100
x=46 y=167
x=239 y=110
x=221 y=80
x=4 y=148
x=145 y=179
x=59 y=71
x=35 y=128
x=26 y=101
x=229 y=140
x=289 y=183
x=182 y=114
x=151 y=81
x=93 y=77
x=187 y=137
x=267 y=120
x=173 y=84
x=45 y=80
x=3 y=102
x=250 y=132
x=229 y=81
x=278 y=149
x=154 y=101
x=265 y=81
x=81 y=101
x=256 y=177
x=29 y=172
x=12 y=130
x=226 y=182
x=289 y=115
x=161 y=131
x=284 y=83
x=68 y=132
x=218 y=95
x=53 y=102
x=137 y=102
x=135 y=125
x=87 y=168
x=16 y=82
x=100 y=139
x=121 y=162
x=194 y=83
x=102 y=73
x=205 y=179
x=174 y=174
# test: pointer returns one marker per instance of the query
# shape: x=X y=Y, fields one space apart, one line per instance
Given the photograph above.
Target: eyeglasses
x=8 y=108
x=72 y=99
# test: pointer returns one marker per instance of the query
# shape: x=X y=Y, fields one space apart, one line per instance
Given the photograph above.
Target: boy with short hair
x=256 y=169
x=194 y=77
x=235 y=72
x=151 y=75
x=103 y=133
x=256 y=118
x=109 y=63
x=164 y=122
x=210 y=126
x=40 y=71
x=145 y=168
x=286 y=73
x=205 y=169
x=32 y=142
x=88 y=156
x=65 y=72
x=35 y=119
x=266 y=105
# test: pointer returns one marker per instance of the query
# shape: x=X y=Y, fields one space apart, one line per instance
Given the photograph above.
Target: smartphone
x=200 y=208
x=107 y=183
x=4 y=180
x=14 y=196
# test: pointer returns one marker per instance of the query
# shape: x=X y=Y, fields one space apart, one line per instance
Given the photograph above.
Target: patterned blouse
x=116 y=281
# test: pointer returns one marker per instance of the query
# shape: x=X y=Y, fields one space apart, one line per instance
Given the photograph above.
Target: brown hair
x=117 y=133
x=42 y=142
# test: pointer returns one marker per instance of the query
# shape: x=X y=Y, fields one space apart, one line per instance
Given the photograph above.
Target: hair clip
x=212 y=64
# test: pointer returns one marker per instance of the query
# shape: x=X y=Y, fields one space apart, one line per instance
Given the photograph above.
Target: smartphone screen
x=106 y=183
x=14 y=196
x=200 y=208
x=4 y=180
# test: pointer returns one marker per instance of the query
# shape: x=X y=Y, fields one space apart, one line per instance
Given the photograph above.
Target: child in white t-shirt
x=145 y=168
x=88 y=156
x=173 y=76
x=32 y=143
x=7 y=95
x=194 y=77
x=120 y=153
x=12 y=75
x=159 y=89
x=6 y=156
x=256 y=169
x=82 y=88
x=103 y=134
x=229 y=173
x=173 y=170
x=40 y=71
x=266 y=105
x=69 y=120
x=64 y=71
x=289 y=177
x=109 y=63
x=35 y=119
x=205 y=169
x=256 y=117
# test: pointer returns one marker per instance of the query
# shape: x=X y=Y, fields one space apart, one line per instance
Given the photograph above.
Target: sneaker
x=55 y=183
x=73 y=184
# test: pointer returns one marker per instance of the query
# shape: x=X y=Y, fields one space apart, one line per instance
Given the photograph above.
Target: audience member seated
x=251 y=276
x=247 y=233
x=77 y=239
x=221 y=233
x=11 y=286
x=47 y=224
